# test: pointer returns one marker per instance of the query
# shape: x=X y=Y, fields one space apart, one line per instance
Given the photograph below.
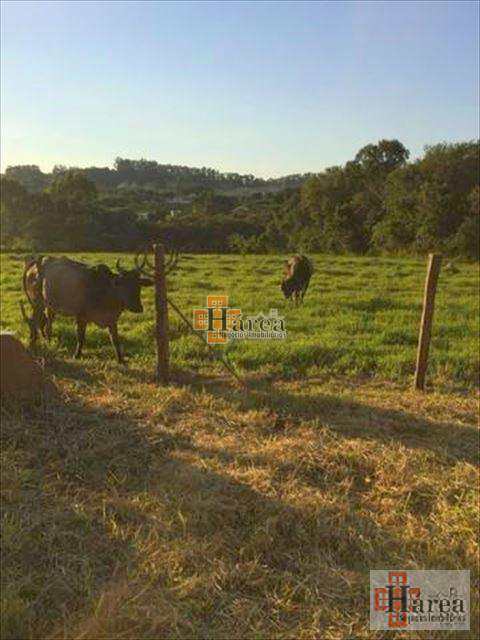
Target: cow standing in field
x=297 y=273
x=89 y=294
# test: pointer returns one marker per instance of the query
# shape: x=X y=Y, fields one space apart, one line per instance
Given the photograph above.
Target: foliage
x=29 y=175
x=429 y=201
x=377 y=202
x=240 y=244
x=465 y=241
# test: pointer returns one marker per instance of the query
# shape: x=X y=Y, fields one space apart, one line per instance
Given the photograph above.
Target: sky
x=264 y=87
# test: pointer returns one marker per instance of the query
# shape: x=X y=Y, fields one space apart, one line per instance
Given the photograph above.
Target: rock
x=21 y=377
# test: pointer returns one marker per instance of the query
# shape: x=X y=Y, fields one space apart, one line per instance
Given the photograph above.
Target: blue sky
x=268 y=88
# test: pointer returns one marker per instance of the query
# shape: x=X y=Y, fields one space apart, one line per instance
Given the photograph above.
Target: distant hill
x=377 y=202
x=149 y=174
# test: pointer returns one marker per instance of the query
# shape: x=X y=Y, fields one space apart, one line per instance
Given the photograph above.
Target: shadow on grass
x=67 y=369
x=71 y=476
x=452 y=442
x=85 y=487
x=377 y=304
x=64 y=343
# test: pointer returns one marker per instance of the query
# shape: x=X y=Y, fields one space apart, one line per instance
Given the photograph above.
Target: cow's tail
x=30 y=262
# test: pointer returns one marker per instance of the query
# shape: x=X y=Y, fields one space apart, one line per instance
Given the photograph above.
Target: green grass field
x=360 y=317
x=207 y=510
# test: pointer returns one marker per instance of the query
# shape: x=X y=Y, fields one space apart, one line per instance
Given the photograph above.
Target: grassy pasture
x=360 y=317
x=202 y=510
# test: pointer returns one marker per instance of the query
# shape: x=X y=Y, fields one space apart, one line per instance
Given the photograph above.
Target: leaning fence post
x=433 y=270
x=161 y=315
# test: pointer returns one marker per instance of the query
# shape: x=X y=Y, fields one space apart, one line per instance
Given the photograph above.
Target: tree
x=29 y=175
x=73 y=198
x=466 y=241
x=428 y=202
x=385 y=156
x=377 y=201
x=336 y=210
x=74 y=187
x=14 y=209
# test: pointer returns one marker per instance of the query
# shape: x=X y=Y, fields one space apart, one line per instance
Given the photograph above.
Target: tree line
x=379 y=202
x=153 y=176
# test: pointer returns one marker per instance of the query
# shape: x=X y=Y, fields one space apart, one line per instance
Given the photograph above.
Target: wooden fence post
x=433 y=270
x=161 y=316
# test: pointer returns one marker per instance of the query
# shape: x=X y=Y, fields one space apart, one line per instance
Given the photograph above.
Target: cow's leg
x=50 y=316
x=39 y=317
x=32 y=326
x=81 y=329
x=304 y=291
x=113 y=331
x=33 y=333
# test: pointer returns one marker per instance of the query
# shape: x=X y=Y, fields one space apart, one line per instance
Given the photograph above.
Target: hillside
x=379 y=202
x=152 y=175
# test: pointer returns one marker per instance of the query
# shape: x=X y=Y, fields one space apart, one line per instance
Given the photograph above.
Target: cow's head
x=128 y=285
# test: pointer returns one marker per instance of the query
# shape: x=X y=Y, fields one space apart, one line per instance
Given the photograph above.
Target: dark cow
x=297 y=274
x=89 y=294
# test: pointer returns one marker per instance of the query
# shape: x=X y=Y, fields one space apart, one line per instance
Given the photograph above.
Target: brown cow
x=298 y=271
x=89 y=294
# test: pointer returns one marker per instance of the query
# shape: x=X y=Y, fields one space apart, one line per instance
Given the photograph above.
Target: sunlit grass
x=206 y=510
x=361 y=316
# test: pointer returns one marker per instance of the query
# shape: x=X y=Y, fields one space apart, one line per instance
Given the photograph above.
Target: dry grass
x=206 y=511
x=202 y=510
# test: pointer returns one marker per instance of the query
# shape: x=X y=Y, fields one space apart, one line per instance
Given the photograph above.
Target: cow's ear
x=145 y=282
